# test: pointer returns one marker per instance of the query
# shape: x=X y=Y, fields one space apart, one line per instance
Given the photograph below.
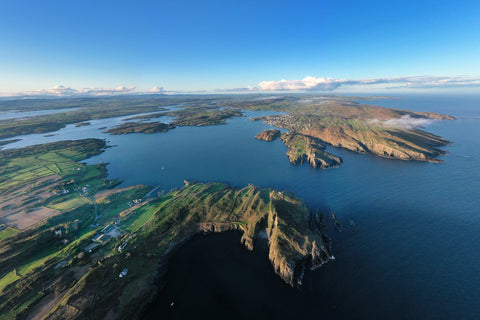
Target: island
x=83 y=124
x=140 y=127
x=268 y=135
x=72 y=242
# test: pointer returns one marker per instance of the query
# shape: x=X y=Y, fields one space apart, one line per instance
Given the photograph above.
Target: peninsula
x=140 y=127
x=202 y=116
x=384 y=132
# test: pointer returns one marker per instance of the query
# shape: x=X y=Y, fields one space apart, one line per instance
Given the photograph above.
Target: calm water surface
x=6 y=115
x=414 y=252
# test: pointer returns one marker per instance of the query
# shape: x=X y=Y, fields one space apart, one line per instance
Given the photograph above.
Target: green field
x=7 y=232
x=28 y=260
x=8 y=278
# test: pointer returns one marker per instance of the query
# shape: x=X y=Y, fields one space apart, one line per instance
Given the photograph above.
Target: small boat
x=123 y=273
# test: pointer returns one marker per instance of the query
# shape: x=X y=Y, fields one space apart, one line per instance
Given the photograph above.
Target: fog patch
x=266 y=98
x=404 y=122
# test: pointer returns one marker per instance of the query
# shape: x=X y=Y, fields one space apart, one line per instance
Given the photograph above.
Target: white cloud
x=307 y=84
x=62 y=91
x=157 y=89
x=327 y=84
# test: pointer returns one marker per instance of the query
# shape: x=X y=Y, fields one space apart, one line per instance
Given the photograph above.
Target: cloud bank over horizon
x=64 y=91
x=329 y=84
x=307 y=84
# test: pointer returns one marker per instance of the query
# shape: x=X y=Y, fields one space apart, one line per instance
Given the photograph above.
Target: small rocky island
x=268 y=135
x=83 y=124
x=140 y=127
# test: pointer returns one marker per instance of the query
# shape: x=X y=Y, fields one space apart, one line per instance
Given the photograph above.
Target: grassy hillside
x=162 y=225
x=54 y=206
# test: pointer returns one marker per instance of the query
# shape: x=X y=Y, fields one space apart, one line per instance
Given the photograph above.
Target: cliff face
x=394 y=143
x=290 y=247
x=373 y=136
x=268 y=135
x=305 y=148
x=217 y=208
x=196 y=208
x=292 y=244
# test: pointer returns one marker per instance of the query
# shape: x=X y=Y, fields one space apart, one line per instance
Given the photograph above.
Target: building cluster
x=134 y=202
x=103 y=236
x=85 y=190
x=283 y=121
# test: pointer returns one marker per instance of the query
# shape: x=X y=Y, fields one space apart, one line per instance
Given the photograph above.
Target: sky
x=102 y=47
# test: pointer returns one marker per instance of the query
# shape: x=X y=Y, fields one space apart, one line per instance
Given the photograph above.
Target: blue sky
x=208 y=45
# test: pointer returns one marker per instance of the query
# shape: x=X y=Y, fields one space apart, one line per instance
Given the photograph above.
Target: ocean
x=410 y=243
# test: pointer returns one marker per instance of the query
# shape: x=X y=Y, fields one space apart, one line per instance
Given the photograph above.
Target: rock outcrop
x=268 y=135
x=307 y=149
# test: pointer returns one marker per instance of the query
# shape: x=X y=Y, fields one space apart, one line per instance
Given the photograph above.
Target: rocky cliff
x=393 y=143
x=196 y=208
x=307 y=149
x=268 y=135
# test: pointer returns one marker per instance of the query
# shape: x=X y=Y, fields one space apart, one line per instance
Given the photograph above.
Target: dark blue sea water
x=414 y=252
